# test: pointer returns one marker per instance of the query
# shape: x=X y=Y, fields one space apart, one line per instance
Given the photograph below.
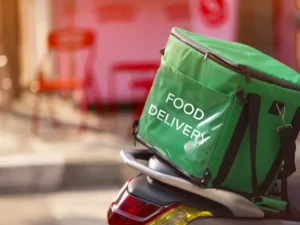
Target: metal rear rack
x=238 y=205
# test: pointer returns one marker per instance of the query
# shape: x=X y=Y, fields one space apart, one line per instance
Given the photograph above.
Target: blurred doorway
x=35 y=23
x=9 y=35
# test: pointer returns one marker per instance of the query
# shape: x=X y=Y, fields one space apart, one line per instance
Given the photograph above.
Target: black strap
x=265 y=185
x=288 y=146
x=233 y=148
x=249 y=114
x=289 y=155
x=254 y=107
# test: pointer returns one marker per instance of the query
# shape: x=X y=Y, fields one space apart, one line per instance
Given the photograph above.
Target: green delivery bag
x=224 y=114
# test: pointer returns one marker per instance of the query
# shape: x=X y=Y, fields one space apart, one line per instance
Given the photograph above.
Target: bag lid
x=242 y=56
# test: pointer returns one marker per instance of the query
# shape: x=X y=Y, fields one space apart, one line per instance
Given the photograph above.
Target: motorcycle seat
x=162 y=166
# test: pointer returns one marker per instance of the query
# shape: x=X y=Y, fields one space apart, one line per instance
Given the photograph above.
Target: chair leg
x=98 y=99
x=83 y=108
x=5 y=105
x=112 y=111
x=113 y=93
x=35 y=115
x=52 y=111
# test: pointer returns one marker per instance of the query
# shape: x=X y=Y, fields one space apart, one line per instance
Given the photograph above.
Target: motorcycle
x=162 y=195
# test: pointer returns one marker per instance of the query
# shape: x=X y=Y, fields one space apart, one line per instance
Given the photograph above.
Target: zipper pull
x=240 y=95
x=206 y=56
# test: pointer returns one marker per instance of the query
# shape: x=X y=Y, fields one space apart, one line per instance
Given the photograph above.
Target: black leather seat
x=162 y=166
x=270 y=219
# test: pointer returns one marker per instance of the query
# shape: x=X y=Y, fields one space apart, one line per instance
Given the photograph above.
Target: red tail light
x=128 y=210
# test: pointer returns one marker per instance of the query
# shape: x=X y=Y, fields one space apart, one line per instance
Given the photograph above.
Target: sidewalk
x=60 y=157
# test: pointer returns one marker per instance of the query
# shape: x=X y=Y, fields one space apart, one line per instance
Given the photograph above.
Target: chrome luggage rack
x=238 y=205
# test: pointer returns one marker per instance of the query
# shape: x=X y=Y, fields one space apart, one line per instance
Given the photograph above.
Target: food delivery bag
x=224 y=114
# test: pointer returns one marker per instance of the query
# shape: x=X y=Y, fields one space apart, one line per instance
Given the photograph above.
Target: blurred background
x=74 y=74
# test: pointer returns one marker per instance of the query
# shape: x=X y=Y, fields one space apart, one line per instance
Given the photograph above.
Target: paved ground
x=103 y=131
x=27 y=159
x=60 y=155
x=64 y=208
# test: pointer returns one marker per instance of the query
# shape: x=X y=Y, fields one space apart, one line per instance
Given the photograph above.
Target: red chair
x=144 y=85
x=148 y=69
x=72 y=41
x=135 y=69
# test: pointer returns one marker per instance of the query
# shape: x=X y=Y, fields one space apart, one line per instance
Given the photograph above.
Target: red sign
x=179 y=11
x=70 y=8
x=214 y=12
x=115 y=12
x=71 y=39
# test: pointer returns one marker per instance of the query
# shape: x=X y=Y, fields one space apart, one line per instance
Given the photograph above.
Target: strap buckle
x=282 y=115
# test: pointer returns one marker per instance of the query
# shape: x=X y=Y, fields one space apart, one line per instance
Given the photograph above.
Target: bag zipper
x=241 y=69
